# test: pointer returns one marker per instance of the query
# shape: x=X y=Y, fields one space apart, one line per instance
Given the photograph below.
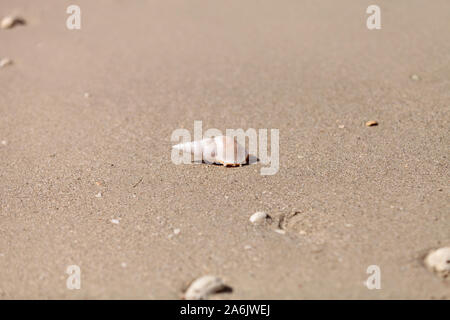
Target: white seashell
x=439 y=261
x=221 y=150
x=258 y=217
x=204 y=286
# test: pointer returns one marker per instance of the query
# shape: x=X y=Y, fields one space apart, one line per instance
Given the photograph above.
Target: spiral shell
x=223 y=150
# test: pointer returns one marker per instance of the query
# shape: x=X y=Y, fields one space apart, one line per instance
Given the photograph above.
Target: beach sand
x=86 y=176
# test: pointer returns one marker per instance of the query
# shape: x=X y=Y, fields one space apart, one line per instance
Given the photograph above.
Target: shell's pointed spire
x=193 y=147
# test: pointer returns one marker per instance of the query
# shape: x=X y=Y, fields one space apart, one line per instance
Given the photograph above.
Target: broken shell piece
x=439 y=261
x=204 y=286
x=5 y=62
x=220 y=150
x=258 y=217
x=371 y=123
x=10 y=21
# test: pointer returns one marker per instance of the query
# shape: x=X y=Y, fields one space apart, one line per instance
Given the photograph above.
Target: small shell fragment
x=371 y=123
x=438 y=261
x=5 y=62
x=10 y=21
x=115 y=221
x=203 y=287
x=7 y=22
x=415 y=77
x=258 y=217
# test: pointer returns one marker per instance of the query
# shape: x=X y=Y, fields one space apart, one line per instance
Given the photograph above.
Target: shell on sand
x=204 y=286
x=439 y=261
x=220 y=150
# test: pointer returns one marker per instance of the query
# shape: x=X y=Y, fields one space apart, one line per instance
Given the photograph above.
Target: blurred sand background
x=362 y=195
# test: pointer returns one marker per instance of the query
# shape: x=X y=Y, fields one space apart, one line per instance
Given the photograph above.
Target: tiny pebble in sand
x=258 y=217
x=10 y=21
x=5 y=62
